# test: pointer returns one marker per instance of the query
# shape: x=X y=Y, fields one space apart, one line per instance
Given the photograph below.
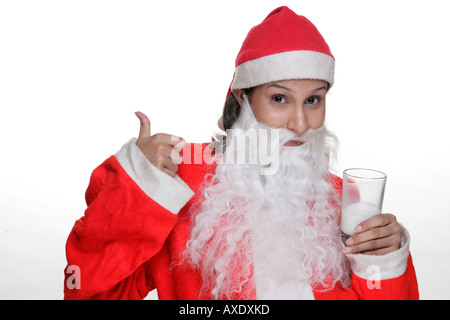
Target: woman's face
x=297 y=105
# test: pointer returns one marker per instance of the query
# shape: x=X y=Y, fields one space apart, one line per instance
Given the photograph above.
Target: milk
x=356 y=213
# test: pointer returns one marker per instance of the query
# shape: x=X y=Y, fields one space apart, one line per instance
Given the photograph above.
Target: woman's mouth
x=293 y=143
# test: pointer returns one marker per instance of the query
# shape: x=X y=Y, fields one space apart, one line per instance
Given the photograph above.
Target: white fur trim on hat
x=288 y=65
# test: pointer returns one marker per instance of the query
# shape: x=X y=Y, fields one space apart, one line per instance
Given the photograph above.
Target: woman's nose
x=298 y=121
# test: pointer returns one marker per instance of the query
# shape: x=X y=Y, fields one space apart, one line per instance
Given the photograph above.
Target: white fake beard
x=286 y=215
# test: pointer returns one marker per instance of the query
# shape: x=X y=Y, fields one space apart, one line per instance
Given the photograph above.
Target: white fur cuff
x=391 y=265
x=171 y=193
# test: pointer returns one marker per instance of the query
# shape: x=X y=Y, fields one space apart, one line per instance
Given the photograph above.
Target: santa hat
x=284 y=46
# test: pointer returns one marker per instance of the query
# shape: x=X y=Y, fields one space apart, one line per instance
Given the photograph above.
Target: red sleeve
x=122 y=228
x=403 y=287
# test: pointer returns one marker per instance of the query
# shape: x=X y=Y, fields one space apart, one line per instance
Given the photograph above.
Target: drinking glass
x=362 y=198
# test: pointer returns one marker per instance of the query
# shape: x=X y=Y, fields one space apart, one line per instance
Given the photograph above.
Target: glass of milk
x=362 y=198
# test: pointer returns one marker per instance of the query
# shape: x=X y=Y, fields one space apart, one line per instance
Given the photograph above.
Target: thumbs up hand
x=161 y=149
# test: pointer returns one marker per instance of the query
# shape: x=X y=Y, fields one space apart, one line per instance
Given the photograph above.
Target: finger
x=378 y=220
x=162 y=151
x=169 y=172
x=166 y=165
x=144 y=130
x=170 y=165
x=170 y=139
x=175 y=156
x=375 y=233
x=371 y=245
x=179 y=143
x=338 y=211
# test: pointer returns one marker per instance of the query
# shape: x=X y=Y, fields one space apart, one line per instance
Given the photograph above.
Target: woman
x=192 y=222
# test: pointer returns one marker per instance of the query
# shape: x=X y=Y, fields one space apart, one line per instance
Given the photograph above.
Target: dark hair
x=232 y=109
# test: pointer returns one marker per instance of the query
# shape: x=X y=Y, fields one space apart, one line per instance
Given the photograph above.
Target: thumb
x=145 y=125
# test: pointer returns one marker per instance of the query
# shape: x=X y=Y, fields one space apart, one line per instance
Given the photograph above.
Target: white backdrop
x=72 y=73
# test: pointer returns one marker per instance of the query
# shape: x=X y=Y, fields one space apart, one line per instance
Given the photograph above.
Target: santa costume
x=224 y=230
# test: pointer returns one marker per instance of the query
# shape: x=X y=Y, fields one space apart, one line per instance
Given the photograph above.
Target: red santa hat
x=284 y=46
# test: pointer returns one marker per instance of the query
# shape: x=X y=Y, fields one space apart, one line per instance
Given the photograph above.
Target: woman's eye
x=313 y=100
x=279 y=98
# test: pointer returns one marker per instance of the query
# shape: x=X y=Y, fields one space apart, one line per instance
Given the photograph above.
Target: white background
x=72 y=73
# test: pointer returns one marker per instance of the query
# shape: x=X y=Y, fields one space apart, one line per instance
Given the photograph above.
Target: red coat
x=133 y=229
